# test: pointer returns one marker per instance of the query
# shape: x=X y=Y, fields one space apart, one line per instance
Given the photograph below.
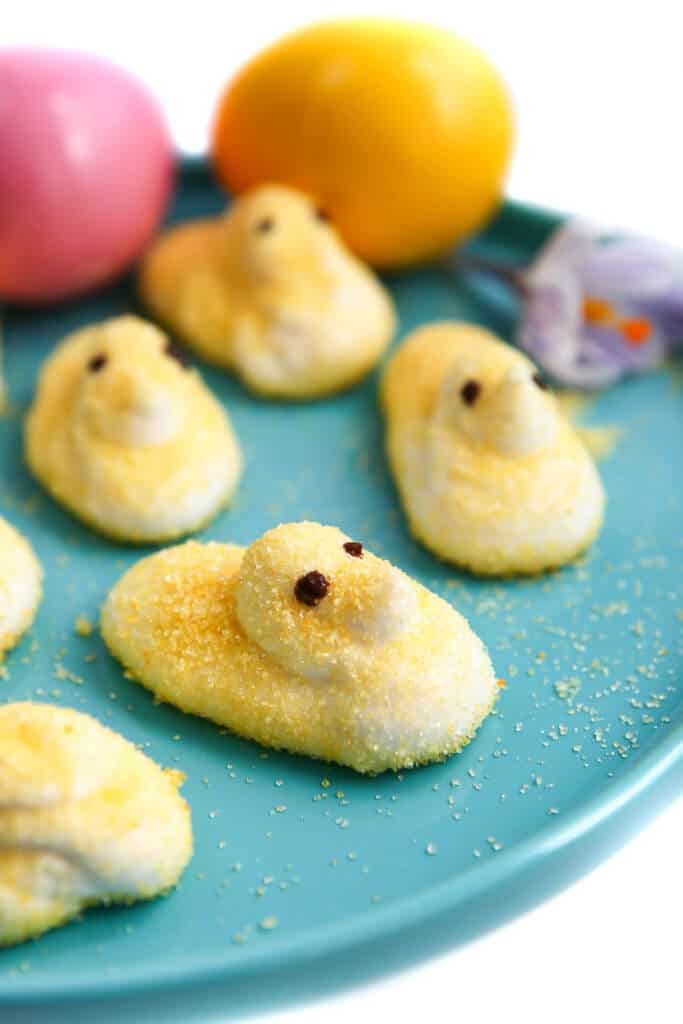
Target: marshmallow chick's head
x=46 y=758
x=493 y=396
x=132 y=388
x=275 y=236
x=318 y=602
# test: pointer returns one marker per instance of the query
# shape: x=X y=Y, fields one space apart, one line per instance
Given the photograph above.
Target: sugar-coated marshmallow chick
x=127 y=437
x=305 y=642
x=85 y=818
x=269 y=290
x=20 y=586
x=491 y=475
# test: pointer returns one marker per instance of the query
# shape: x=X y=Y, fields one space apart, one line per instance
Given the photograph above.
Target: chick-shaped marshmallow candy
x=20 y=586
x=491 y=475
x=270 y=291
x=127 y=437
x=85 y=818
x=306 y=642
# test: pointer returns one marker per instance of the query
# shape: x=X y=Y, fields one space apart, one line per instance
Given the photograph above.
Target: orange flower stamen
x=636 y=331
x=597 y=311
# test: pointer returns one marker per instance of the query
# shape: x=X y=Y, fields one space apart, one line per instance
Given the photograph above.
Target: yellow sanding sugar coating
x=374 y=673
x=20 y=586
x=491 y=474
x=85 y=818
x=126 y=437
x=270 y=291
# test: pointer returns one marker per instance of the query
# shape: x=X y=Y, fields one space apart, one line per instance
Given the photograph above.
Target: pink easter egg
x=86 y=171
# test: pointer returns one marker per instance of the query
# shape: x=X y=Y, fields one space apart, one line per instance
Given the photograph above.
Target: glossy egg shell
x=401 y=131
x=86 y=170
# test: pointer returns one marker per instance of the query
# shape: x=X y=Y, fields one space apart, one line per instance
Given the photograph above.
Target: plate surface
x=297 y=860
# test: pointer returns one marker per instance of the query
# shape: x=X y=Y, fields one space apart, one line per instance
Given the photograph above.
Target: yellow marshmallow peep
x=269 y=290
x=491 y=475
x=20 y=586
x=129 y=439
x=85 y=818
x=306 y=642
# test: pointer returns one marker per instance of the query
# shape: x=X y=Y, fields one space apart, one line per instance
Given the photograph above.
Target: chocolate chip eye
x=470 y=391
x=172 y=350
x=311 y=588
x=353 y=548
x=539 y=382
x=264 y=225
x=98 y=362
x=322 y=214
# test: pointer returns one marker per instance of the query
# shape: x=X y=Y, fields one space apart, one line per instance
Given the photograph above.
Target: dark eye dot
x=322 y=214
x=311 y=588
x=98 y=362
x=353 y=548
x=264 y=225
x=539 y=382
x=174 y=352
x=470 y=391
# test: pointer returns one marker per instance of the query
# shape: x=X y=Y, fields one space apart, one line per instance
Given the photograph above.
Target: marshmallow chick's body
x=304 y=642
x=270 y=291
x=492 y=477
x=85 y=818
x=130 y=440
x=20 y=586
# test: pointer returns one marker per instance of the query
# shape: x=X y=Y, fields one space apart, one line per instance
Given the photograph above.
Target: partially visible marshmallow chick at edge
x=307 y=642
x=492 y=477
x=129 y=438
x=20 y=586
x=85 y=819
x=270 y=291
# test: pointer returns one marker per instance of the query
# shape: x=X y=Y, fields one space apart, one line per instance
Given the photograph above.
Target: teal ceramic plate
x=306 y=876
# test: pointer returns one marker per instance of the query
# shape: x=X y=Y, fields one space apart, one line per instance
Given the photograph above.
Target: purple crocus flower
x=596 y=307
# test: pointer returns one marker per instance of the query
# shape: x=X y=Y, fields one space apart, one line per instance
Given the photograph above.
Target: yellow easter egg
x=401 y=132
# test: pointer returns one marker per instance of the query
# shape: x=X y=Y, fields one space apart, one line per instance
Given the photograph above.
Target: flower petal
x=563 y=253
x=549 y=330
x=629 y=268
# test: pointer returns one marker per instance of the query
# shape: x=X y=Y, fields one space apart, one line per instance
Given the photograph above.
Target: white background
x=598 y=89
